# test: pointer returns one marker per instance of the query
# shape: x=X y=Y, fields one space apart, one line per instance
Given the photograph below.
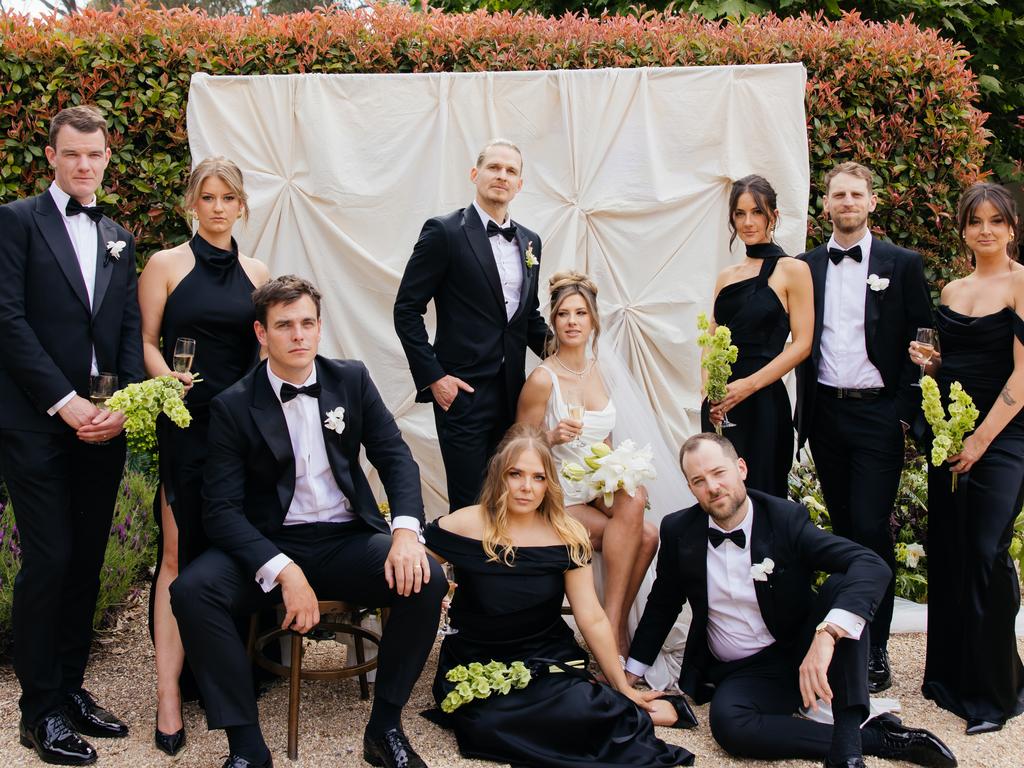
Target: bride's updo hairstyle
x=494 y=499
x=561 y=286
x=1001 y=200
x=223 y=169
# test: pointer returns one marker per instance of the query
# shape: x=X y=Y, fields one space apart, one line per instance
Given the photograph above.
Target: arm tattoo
x=1007 y=397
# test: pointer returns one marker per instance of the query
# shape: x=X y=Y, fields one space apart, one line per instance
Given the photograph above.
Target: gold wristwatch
x=826 y=627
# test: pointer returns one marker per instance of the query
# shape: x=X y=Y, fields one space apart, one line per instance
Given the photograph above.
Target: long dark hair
x=764 y=196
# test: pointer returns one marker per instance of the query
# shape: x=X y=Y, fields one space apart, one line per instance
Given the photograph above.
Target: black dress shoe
x=850 y=762
x=55 y=742
x=90 y=718
x=684 y=712
x=975 y=726
x=391 y=750
x=236 y=761
x=879 y=674
x=171 y=743
x=914 y=745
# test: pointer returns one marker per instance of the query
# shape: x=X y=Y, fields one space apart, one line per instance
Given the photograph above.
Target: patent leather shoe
x=55 y=742
x=912 y=745
x=685 y=718
x=850 y=762
x=879 y=673
x=391 y=750
x=975 y=726
x=237 y=761
x=171 y=743
x=90 y=718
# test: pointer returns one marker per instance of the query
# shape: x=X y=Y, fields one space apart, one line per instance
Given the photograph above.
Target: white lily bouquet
x=948 y=433
x=719 y=355
x=608 y=471
x=141 y=403
x=479 y=681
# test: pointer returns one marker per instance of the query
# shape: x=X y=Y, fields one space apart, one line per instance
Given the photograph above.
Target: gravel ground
x=332 y=716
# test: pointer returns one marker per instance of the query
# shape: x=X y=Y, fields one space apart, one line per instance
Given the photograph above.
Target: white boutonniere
x=876 y=283
x=761 y=571
x=114 y=248
x=528 y=258
x=336 y=420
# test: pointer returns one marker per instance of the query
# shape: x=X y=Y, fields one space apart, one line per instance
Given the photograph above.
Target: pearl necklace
x=578 y=374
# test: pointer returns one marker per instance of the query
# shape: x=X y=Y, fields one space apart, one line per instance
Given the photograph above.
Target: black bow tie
x=290 y=391
x=508 y=232
x=737 y=537
x=94 y=212
x=838 y=254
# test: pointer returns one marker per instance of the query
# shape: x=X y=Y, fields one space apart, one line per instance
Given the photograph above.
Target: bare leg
x=644 y=557
x=170 y=656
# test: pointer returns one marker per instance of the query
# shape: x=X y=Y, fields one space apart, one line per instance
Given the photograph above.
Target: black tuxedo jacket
x=453 y=264
x=249 y=479
x=783 y=531
x=47 y=329
x=891 y=320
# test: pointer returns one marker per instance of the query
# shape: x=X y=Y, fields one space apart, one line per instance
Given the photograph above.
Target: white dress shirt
x=844 y=352
x=736 y=628
x=509 y=262
x=85 y=240
x=317 y=497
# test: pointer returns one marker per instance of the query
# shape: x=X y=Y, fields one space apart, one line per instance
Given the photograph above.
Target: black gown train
x=763 y=434
x=559 y=720
x=973 y=668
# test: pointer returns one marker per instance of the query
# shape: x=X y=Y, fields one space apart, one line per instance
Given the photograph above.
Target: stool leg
x=293 y=697
x=364 y=686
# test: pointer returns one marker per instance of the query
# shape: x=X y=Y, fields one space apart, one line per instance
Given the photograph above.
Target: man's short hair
x=499 y=143
x=853 y=169
x=693 y=443
x=283 y=290
x=84 y=118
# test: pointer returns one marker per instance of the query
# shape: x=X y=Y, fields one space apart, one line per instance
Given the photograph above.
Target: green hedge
x=890 y=95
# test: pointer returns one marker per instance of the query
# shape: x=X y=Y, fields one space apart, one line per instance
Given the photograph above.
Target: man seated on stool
x=761 y=642
x=286 y=503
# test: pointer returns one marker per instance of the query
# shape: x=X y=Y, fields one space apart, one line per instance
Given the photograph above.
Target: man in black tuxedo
x=68 y=310
x=761 y=642
x=480 y=268
x=286 y=503
x=855 y=393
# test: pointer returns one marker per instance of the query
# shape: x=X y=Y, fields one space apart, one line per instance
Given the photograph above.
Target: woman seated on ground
x=567 y=376
x=515 y=556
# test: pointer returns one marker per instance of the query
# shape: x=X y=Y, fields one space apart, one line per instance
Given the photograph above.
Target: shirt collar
x=746 y=526
x=61 y=198
x=485 y=217
x=276 y=381
x=864 y=243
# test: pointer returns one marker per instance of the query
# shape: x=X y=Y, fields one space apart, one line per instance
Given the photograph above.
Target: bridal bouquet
x=141 y=403
x=719 y=355
x=608 y=471
x=948 y=433
x=479 y=681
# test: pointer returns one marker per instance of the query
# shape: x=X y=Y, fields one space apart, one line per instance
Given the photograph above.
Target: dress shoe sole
x=57 y=760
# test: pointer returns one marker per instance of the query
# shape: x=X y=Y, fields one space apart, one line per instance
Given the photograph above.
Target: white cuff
x=409 y=523
x=850 y=623
x=635 y=667
x=60 y=403
x=266 y=576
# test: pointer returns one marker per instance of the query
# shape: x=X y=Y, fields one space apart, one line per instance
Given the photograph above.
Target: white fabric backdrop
x=627 y=176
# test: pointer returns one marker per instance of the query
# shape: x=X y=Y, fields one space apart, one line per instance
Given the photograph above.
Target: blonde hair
x=561 y=286
x=494 y=499
x=223 y=169
x=499 y=142
x=851 y=168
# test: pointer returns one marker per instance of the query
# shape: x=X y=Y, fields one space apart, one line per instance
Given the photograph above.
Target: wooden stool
x=351 y=614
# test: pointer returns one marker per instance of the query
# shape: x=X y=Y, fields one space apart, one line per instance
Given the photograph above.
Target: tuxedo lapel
x=269 y=419
x=50 y=223
x=105 y=233
x=527 y=272
x=818 y=261
x=332 y=396
x=762 y=545
x=693 y=567
x=880 y=263
x=481 y=246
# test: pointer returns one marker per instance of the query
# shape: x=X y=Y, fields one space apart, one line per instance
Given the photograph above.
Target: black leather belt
x=841 y=393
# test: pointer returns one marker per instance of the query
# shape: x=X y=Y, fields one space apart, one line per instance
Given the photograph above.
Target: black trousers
x=63 y=491
x=857 y=447
x=755 y=698
x=341 y=562
x=468 y=432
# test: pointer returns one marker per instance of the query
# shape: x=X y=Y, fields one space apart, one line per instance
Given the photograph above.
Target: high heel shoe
x=171 y=743
x=976 y=726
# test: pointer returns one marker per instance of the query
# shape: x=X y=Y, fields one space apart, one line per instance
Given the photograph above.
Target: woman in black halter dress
x=762 y=300
x=973 y=668
x=200 y=290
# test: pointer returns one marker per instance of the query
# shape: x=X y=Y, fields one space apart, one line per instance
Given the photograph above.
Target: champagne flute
x=927 y=341
x=184 y=352
x=575 y=403
x=101 y=388
x=446 y=628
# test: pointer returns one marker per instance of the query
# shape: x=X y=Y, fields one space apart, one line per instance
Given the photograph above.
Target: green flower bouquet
x=948 y=433
x=479 y=681
x=141 y=403
x=717 y=359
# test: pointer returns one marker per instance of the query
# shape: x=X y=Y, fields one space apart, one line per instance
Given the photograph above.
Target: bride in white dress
x=567 y=382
